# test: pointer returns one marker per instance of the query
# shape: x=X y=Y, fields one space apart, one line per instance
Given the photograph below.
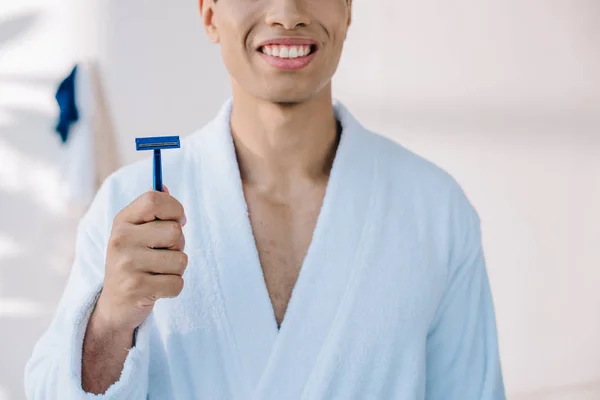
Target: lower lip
x=289 y=64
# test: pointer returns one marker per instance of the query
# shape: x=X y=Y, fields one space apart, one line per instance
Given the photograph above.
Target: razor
x=157 y=144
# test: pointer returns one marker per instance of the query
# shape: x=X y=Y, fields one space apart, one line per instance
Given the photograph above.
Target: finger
x=162 y=286
x=183 y=221
x=164 y=262
x=165 y=189
x=160 y=235
x=153 y=205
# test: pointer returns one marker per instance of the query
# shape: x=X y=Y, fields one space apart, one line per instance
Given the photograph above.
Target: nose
x=286 y=14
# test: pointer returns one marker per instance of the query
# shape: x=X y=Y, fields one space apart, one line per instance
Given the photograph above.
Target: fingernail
x=183 y=220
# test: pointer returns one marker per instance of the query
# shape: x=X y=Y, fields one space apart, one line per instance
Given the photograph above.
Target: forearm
x=104 y=354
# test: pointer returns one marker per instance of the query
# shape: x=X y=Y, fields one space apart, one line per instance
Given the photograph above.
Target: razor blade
x=157 y=144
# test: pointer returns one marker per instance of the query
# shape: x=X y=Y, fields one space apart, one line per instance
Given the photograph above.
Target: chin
x=287 y=99
x=290 y=94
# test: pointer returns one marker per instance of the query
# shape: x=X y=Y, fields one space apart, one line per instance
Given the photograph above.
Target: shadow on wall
x=36 y=236
x=14 y=27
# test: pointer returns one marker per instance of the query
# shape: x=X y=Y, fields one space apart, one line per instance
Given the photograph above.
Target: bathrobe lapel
x=252 y=328
x=277 y=364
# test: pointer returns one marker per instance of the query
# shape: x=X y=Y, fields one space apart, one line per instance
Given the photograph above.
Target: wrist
x=102 y=325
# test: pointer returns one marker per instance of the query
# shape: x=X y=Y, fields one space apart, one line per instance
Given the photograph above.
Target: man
x=321 y=261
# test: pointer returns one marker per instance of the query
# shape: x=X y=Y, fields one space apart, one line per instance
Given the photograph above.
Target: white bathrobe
x=392 y=301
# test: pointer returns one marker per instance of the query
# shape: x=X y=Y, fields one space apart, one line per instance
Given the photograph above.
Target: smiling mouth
x=287 y=52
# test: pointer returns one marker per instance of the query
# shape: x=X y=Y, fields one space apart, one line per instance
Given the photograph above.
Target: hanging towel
x=66 y=99
x=89 y=151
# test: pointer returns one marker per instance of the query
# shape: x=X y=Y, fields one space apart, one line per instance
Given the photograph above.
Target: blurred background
x=503 y=94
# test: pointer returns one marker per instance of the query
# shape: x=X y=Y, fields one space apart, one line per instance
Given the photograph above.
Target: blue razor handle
x=157 y=144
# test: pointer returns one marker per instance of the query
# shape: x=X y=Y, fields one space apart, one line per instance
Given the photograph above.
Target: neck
x=279 y=143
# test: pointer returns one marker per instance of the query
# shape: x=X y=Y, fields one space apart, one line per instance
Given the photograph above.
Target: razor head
x=157 y=143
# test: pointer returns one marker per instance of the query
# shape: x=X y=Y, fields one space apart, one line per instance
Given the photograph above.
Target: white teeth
x=286 y=51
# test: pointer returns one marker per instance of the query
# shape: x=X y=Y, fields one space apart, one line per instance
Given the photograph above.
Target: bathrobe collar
x=264 y=354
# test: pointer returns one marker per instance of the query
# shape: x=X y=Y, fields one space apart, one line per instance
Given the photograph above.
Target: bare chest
x=283 y=232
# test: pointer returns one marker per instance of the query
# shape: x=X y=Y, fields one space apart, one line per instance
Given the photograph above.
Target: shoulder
x=429 y=193
x=411 y=179
x=435 y=200
x=414 y=173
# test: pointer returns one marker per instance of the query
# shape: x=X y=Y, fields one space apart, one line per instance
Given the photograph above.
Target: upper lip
x=288 y=41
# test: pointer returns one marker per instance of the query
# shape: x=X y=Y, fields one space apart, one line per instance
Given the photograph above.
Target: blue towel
x=65 y=97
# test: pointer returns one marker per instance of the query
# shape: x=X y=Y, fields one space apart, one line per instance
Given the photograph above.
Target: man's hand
x=144 y=262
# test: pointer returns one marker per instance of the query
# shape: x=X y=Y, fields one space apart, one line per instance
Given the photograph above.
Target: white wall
x=36 y=231
x=503 y=94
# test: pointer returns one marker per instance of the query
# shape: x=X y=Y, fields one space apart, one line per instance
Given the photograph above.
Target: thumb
x=165 y=189
x=184 y=219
